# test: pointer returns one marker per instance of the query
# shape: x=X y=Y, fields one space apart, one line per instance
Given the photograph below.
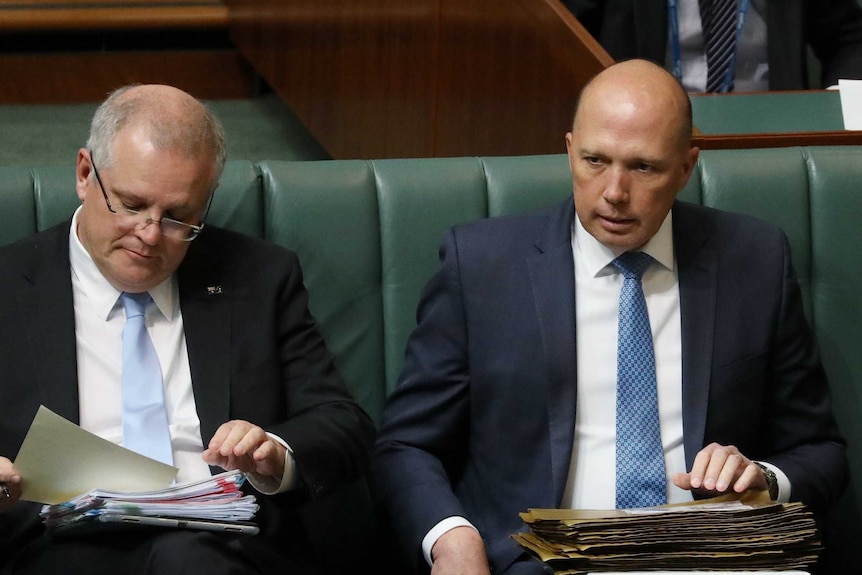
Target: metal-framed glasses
x=171 y=228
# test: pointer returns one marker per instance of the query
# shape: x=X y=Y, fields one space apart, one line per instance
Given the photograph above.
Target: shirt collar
x=598 y=257
x=99 y=291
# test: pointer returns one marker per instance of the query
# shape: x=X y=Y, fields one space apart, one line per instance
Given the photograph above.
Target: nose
x=616 y=189
x=149 y=231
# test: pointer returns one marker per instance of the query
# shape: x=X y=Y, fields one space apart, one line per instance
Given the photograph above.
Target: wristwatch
x=771 y=481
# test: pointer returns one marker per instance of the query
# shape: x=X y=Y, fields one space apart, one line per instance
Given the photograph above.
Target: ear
x=83 y=169
x=570 y=151
x=690 y=162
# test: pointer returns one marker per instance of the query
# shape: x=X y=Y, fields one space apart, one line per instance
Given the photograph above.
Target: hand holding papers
x=726 y=533
x=86 y=480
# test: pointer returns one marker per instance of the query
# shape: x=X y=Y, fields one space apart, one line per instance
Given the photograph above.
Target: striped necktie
x=718 y=19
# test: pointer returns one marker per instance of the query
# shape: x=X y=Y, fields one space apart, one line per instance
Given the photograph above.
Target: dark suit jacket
x=255 y=353
x=833 y=28
x=482 y=421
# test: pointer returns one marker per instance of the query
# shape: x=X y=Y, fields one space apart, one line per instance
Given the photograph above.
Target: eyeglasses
x=171 y=228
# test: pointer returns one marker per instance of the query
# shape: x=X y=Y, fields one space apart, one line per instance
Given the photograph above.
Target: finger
x=700 y=466
x=751 y=477
x=270 y=458
x=264 y=451
x=212 y=456
x=682 y=480
x=717 y=459
x=254 y=437
x=220 y=435
x=734 y=466
x=244 y=463
x=237 y=432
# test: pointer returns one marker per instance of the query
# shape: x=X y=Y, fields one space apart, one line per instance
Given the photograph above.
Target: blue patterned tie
x=718 y=19
x=145 y=418
x=639 y=456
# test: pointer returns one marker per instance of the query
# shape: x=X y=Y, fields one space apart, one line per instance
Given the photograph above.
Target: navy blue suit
x=482 y=421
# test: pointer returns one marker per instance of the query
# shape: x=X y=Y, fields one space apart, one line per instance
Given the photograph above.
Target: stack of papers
x=214 y=503
x=727 y=533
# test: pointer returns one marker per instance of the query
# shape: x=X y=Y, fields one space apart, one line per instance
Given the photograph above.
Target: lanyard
x=676 y=53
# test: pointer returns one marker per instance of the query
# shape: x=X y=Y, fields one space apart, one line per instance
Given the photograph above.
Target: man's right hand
x=12 y=480
x=459 y=551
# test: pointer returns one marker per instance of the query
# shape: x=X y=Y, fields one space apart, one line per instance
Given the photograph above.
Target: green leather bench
x=367 y=234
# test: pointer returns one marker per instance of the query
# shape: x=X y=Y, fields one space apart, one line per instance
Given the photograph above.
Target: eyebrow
x=178 y=212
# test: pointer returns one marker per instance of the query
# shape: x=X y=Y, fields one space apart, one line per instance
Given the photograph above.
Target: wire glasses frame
x=171 y=228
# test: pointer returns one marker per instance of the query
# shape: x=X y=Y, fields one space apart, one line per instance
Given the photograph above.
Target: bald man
x=508 y=393
x=247 y=379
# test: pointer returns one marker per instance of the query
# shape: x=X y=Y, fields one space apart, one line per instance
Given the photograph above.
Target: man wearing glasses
x=247 y=380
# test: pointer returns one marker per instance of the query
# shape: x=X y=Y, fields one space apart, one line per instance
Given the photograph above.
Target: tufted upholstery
x=367 y=234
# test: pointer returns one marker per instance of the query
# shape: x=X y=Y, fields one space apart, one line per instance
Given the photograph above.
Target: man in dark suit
x=833 y=29
x=248 y=381
x=506 y=399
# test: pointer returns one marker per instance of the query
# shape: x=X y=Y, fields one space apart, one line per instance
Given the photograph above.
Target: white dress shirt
x=591 y=485
x=99 y=321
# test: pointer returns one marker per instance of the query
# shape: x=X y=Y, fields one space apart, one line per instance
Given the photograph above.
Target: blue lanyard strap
x=676 y=53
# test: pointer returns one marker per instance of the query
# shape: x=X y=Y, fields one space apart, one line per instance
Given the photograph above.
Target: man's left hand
x=718 y=468
x=242 y=445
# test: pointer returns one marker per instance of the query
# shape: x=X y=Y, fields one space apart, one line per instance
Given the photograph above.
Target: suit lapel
x=48 y=319
x=552 y=280
x=205 y=298
x=697 y=259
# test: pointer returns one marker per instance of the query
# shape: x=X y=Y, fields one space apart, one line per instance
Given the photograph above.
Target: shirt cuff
x=438 y=530
x=783 y=482
x=272 y=485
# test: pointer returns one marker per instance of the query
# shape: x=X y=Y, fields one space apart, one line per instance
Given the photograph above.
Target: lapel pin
x=213 y=290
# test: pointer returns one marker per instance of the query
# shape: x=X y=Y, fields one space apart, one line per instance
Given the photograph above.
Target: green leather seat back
x=523 y=183
x=735 y=180
x=367 y=234
x=418 y=202
x=17 y=208
x=237 y=203
x=34 y=200
x=836 y=237
x=56 y=199
x=327 y=212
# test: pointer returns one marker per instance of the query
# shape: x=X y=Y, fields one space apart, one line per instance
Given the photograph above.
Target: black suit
x=255 y=353
x=481 y=424
x=833 y=28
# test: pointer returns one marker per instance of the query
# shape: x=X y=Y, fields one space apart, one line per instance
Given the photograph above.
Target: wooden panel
x=777 y=140
x=359 y=73
x=88 y=77
x=414 y=78
x=26 y=4
x=510 y=72
x=41 y=15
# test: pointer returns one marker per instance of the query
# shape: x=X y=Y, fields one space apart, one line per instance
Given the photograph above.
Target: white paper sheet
x=58 y=460
x=850 y=92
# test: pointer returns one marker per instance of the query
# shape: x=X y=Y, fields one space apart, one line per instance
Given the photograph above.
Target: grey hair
x=198 y=131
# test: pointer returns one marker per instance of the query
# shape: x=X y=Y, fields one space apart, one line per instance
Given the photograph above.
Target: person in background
x=769 y=52
x=242 y=372
x=517 y=390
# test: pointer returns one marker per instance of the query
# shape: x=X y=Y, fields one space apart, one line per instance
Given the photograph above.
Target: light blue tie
x=639 y=459
x=145 y=418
